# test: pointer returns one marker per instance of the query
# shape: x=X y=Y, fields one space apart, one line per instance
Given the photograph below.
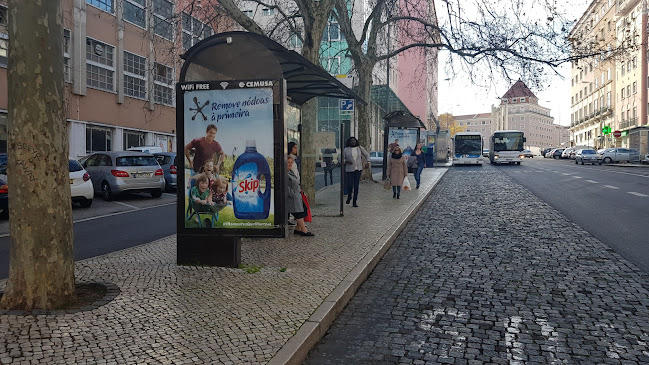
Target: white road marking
x=638 y=194
x=592 y=181
x=108 y=215
x=577 y=177
x=568 y=174
x=611 y=187
x=127 y=205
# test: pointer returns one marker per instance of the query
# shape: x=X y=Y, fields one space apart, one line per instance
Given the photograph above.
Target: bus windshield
x=508 y=141
x=468 y=145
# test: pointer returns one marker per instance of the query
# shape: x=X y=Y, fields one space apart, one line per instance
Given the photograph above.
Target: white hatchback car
x=80 y=184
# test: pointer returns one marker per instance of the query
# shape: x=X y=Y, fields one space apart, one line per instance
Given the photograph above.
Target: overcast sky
x=459 y=97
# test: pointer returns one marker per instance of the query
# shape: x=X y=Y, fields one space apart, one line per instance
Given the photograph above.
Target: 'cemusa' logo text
x=256 y=84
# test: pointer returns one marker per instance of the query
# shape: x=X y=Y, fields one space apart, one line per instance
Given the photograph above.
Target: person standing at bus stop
x=353 y=167
x=328 y=165
x=421 y=163
x=397 y=171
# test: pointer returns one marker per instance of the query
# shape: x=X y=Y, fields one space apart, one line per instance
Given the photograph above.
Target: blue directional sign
x=346 y=106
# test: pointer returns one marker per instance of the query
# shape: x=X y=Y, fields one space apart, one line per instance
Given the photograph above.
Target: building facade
x=609 y=92
x=475 y=123
x=519 y=109
x=121 y=65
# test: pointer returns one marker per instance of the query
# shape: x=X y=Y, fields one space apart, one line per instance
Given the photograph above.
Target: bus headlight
x=521 y=156
x=496 y=157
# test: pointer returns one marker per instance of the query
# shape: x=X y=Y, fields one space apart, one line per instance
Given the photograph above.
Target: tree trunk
x=41 y=271
x=365 y=92
x=308 y=119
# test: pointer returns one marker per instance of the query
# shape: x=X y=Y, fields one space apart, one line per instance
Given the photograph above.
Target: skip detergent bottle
x=247 y=199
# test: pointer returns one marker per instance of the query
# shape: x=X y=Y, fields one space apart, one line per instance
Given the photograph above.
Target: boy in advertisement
x=204 y=149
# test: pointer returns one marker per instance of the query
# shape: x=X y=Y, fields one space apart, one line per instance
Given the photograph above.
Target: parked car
x=4 y=198
x=376 y=158
x=546 y=150
x=556 y=153
x=167 y=161
x=646 y=159
x=485 y=152
x=81 y=187
x=610 y=155
x=566 y=152
x=587 y=156
x=126 y=171
x=528 y=154
x=3 y=163
x=146 y=149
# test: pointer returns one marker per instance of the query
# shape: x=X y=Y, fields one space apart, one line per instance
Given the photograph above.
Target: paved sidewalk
x=271 y=311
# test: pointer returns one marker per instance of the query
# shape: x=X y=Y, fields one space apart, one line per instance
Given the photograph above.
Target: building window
x=100 y=70
x=635 y=110
x=635 y=61
x=248 y=13
x=134 y=75
x=295 y=41
x=623 y=70
x=133 y=139
x=333 y=65
x=4 y=49
x=163 y=88
x=628 y=90
x=635 y=87
x=163 y=11
x=332 y=32
x=622 y=93
x=608 y=99
x=98 y=139
x=628 y=66
x=66 y=56
x=134 y=12
x=106 y=5
x=267 y=11
x=194 y=30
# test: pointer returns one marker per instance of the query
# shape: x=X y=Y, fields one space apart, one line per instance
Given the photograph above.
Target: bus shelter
x=403 y=129
x=232 y=95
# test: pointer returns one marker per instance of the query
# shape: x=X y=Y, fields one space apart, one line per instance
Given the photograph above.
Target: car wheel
x=518 y=163
x=608 y=160
x=156 y=194
x=85 y=203
x=106 y=192
x=582 y=162
x=576 y=162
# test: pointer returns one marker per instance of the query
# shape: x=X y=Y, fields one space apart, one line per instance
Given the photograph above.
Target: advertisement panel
x=406 y=138
x=233 y=142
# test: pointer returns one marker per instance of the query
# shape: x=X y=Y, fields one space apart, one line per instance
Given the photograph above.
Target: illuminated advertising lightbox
x=232 y=147
x=406 y=138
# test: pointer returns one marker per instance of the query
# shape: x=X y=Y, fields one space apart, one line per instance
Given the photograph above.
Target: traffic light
x=606 y=129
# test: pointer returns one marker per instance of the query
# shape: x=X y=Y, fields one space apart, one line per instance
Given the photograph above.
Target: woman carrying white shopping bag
x=397 y=171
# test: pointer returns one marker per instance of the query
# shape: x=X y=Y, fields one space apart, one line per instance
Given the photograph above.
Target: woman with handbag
x=295 y=204
x=354 y=164
x=397 y=171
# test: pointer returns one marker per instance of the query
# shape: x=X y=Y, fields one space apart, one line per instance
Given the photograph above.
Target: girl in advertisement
x=294 y=203
x=397 y=170
x=354 y=154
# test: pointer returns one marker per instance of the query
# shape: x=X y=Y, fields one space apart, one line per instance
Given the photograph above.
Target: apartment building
x=519 y=109
x=121 y=62
x=609 y=92
x=475 y=123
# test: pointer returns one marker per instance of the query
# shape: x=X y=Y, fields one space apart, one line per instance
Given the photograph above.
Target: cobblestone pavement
x=165 y=314
x=499 y=277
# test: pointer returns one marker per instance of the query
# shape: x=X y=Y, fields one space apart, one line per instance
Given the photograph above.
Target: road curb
x=296 y=349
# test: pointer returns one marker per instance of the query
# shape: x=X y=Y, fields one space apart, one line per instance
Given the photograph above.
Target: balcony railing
x=628 y=123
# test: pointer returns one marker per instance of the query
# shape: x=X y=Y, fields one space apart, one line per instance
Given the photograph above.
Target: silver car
x=587 y=156
x=127 y=171
x=620 y=154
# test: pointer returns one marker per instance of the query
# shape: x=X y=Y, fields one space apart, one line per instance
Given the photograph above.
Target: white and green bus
x=467 y=148
x=507 y=147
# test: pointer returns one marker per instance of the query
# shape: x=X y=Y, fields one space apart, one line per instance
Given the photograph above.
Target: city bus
x=507 y=147
x=467 y=148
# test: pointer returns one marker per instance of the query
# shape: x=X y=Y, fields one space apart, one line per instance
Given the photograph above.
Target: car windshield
x=587 y=152
x=163 y=159
x=74 y=166
x=3 y=159
x=137 y=161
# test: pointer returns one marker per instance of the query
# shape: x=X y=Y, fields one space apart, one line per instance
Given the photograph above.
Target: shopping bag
x=387 y=184
x=406 y=184
x=307 y=208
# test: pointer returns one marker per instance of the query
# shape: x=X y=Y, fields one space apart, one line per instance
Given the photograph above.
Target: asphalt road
x=609 y=201
x=111 y=226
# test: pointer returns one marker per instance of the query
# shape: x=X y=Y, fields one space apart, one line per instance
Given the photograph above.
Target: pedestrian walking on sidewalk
x=397 y=171
x=421 y=163
x=294 y=204
x=328 y=164
x=354 y=154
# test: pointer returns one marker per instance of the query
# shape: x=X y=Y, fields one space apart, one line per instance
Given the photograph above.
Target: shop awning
x=250 y=56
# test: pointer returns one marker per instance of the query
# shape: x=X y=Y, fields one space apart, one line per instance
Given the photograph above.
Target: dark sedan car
x=167 y=161
x=4 y=199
